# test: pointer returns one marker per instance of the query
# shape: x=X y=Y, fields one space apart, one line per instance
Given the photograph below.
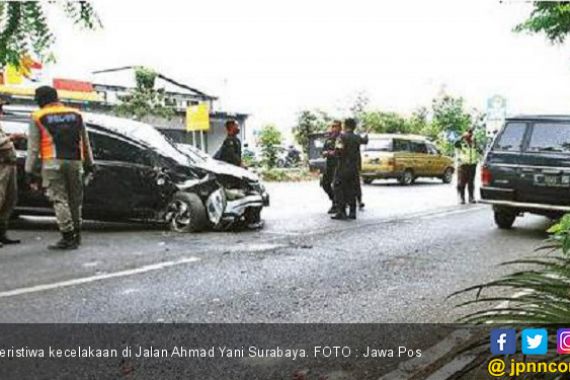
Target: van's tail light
x=486 y=176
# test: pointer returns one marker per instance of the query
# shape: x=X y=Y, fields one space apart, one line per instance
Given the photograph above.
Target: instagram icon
x=563 y=341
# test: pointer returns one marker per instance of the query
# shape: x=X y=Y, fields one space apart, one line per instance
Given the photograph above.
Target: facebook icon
x=503 y=341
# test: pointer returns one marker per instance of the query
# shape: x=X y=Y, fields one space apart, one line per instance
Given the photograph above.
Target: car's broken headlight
x=215 y=205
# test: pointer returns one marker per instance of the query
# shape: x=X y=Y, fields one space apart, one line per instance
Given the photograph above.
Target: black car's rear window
x=511 y=137
x=550 y=137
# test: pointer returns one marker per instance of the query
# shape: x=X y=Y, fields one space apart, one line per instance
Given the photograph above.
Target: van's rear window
x=550 y=137
x=511 y=137
x=379 y=145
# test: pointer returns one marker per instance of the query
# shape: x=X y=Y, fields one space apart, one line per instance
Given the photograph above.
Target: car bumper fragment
x=525 y=205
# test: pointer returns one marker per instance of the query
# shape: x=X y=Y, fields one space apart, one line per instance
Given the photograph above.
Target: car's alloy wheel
x=180 y=217
x=186 y=213
x=447 y=175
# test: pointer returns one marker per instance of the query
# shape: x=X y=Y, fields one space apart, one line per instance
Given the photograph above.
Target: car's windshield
x=379 y=145
x=145 y=133
x=193 y=153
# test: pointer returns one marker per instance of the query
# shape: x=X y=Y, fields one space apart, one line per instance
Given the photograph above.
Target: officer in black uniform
x=363 y=141
x=347 y=172
x=329 y=154
x=230 y=151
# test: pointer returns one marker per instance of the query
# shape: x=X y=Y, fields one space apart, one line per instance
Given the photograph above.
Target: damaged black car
x=142 y=176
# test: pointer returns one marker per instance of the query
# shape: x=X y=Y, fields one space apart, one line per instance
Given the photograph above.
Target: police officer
x=347 y=171
x=58 y=137
x=328 y=153
x=363 y=141
x=468 y=154
x=8 y=179
x=230 y=151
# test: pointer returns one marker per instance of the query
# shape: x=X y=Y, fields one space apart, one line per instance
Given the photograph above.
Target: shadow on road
x=415 y=184
x=49 y=224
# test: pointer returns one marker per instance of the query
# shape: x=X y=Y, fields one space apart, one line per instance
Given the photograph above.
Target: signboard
x=496 y=114
x=72 y=85
x=198 y=118
x=63 y=94
x=28 y=71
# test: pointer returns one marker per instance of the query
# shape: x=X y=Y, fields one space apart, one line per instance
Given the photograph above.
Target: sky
x=273 y=58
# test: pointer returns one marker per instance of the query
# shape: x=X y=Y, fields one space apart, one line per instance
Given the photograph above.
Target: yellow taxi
x=405 y=158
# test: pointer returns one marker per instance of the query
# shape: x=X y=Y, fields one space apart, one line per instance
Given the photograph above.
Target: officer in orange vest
x=58 y=137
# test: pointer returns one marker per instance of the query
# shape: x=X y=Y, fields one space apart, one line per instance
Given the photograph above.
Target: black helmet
x=46 y=95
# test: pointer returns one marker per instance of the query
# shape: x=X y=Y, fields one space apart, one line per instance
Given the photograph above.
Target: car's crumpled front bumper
x=236 y=208
x=229 y=208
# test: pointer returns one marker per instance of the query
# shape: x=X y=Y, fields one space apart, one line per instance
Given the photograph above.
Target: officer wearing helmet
x=57 y=137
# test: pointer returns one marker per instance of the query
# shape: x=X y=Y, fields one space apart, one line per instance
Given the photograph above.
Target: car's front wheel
x=367 y=181
x=186 y=213
x=505 y=219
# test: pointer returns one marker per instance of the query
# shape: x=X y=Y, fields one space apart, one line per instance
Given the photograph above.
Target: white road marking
x=99 y=277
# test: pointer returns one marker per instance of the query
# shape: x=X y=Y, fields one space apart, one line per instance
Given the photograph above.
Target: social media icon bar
x=563 y=341
x=535 y=341
x=504 y=341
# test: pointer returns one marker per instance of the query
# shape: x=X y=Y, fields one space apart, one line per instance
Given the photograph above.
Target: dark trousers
x=466 y=178
x=327 y=183
x=346 y=190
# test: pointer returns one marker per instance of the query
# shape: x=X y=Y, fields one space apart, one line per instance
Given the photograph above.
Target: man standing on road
x=8 y=179
x=57 y=135
x=230 y=151
x=327 y=177
x=468 y=155
x=347 y=174
x=363 y=141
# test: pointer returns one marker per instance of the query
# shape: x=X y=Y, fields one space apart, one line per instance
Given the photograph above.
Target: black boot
x=6 y=240
x=68 y=241
x=352 y=214
x=77 y=235
x=332 y=210
x=340 y=214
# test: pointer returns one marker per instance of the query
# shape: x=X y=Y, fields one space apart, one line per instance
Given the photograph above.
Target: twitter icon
x=534 y=341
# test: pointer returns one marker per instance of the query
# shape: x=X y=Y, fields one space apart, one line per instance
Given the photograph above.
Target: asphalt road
x=408 y=251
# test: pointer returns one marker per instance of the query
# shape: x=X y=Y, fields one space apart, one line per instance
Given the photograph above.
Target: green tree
x=309 y=122
x=449 y=114
x=270 y=139
x=384 y=122
x=24 y=29
x=550 y=18
x=144 y=100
